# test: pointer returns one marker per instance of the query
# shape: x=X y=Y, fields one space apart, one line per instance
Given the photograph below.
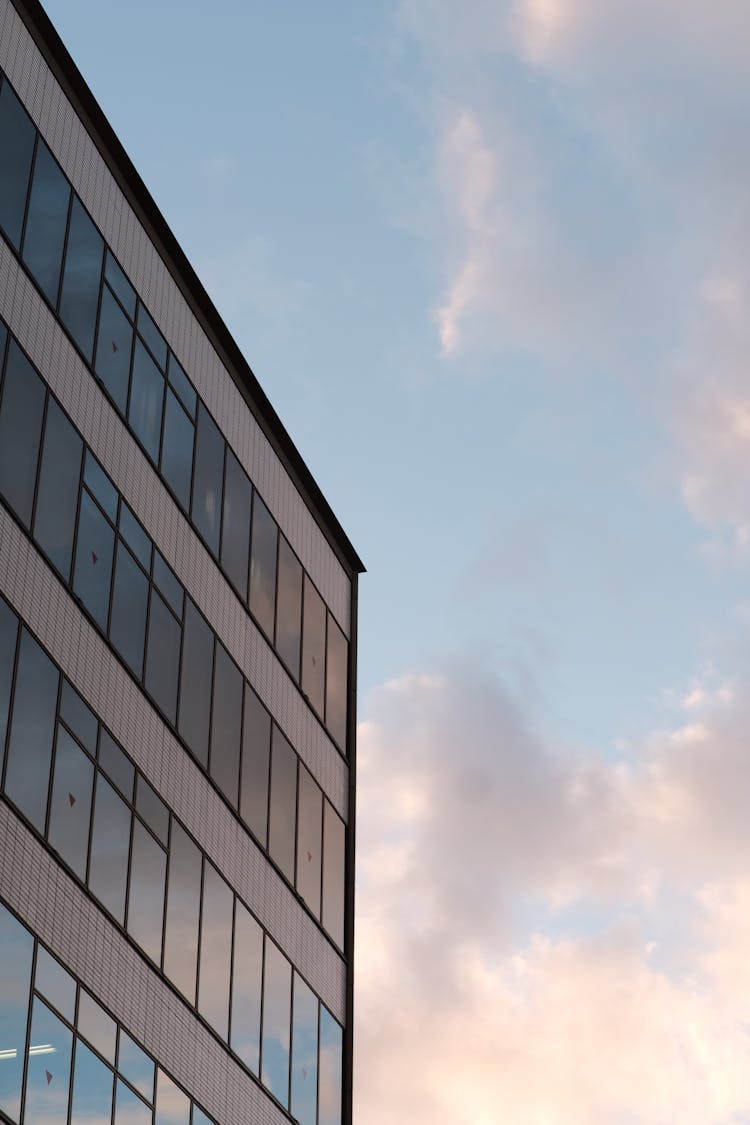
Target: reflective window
x=215 y=951
x=127 y=629
x=195 y=682
x=55 y=984
x=304 y=1054
x=70 y=808
x=334 y=868
x=177 y=450
x=32 y=730
x=135 y=537
x=336 y=682
x=113 y=347
x=152 y=336
x=314 y=647
x=226 y=725
x=48 y=1074
x=8 y=635
x=99 y=1028
x=129 y=1109
x=263 y=566
x=93 y=1085
x=110 y=840
x=246 y=987
x=21 y=412
x=329 y=1090
x=135 y=1065
x=200 y=1118
x=146 y=897
x=256 y=746
x=120 y=769
x=289 y=608
x=277 y=987
x=146 y=400
x=152 y=809
x=183 y=906
x=92 y=576
x=79 y=717
x=46 y=221
x=163 y=657
x=309 y=832
x=16 y=949
x=235 y=535
x=17 y=136
x=57 y=492
x=172 y=1106
x=182 y=385
x=100 y=486
x=81 y=278
x=283 y=804
x=207 y=482
x=120 y=285
x=168 y=585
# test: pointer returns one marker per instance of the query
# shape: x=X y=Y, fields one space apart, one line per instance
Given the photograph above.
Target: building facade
x=177 y=667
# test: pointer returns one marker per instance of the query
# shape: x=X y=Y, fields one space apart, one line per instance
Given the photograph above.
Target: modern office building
x=177 y=667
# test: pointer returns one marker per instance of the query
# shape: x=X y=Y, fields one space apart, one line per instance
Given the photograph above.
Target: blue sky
x=490 y=263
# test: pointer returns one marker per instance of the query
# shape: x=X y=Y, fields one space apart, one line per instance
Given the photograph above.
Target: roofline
x=140 y=199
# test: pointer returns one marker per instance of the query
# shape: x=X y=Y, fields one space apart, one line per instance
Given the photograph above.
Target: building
x=177 y=667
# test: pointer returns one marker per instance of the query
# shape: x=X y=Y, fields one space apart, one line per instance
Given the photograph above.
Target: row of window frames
x=216 y=682
x=189 y=921
x=142 y=399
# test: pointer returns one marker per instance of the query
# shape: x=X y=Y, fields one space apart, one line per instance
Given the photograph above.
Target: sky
x=491 y=262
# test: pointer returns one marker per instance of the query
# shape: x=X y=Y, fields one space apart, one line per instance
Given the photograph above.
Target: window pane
x=16 y=948
x=79 y=717
x=127 y=629
x=183 y=905
x=135 y=1065
x=226 y=724
x=277 y=987
x=246 y=987
x=45 y=224
x=92 y=1089
x=113 y=347
x=120 y=285
x=146 y=399
x=172 y=1106
x=177 y=451
x=152 y=336
x=163 y=659
x=168 y=585
x=48 y=1075
x=289 y=608
x=235 y=534
x=70 y=811
x=283 y=804
x=200 y=1118
x=329 y=1095
x=20 y=432
x=256 y=753
x=100 y=486
x=92 y=577
x=146 y=900
x=135 y=537
x=334 y=869
x=59 y=484
x=207 y=485
x=182 y=385
x=216 y=951
x=309 y=833
x=120 y=769
x=336 y=679
x=17 y=146
x=55 y=984
x=83 y=271
x=153 y=810
x=32 y=730
x=129 y=1109
x=195 y=682
x=110 y=842
x=8 y=636
x=314 y=647
x=304 y=1054
x=263 y=566
x=99 y=1028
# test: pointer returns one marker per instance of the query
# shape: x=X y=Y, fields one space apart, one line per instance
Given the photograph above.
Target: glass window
x=100 y=486
x=110 y=842
x=163 y=657
x=48 y=1074
x=256 y=753
x=277 y=989
x=146 y=899
x=183 y=906
x=289 y=608
x=247 y=977
x=57 y=494
x=113 y=347
x=263 y=566
x=304 y=1054
x=168 y=585
x=120 y=285
x=309 y=833
x=32 y=730
x=8 y=636
x=82 y=275
x=153 y=810
x=16 y=949
x=207 y=483
x=336 y=679
x=329 y=1093
x=93 y=1085
x=235 y=534
x=177 y=451
x=55 y=984
x=152 y=336
x=70 y=810
x=113 y=760
x=46 y=221
x=226 y=725
x=127 y=629
x=21 y=412
x=182 y=385
x=314 y=647
x=99 y=1028
x=283 y=804
x=334 y=874
x=129 y=1108
x=195 y=682
x=216 y=951
x=135 y=537
x=135 y=1065
x=200 y=1118
x=79 y=717
x=146 y=401
x=17 y=135
x=172 y=1106
x=92 y=576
